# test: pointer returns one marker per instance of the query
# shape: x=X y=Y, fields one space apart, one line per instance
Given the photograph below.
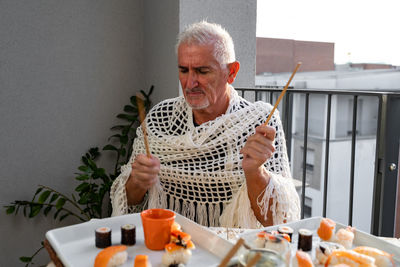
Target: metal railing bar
x=352 y=162
x=327 y=141
x=325 y=91
x=376 y=222
x=303 y=187
x=287 y=122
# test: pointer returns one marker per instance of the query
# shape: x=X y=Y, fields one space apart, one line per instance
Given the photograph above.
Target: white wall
x=339 y=182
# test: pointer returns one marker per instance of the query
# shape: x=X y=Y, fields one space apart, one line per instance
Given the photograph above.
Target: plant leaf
x=130 y=109
x=124 y=139
x=47 y=210
x=82 y=187
x=64 y=216
x=10 y=209
x=56 y=214
x=38 y=190
x=35 y=209
x=83 y=168
x=43 y=197
x=60 y=203
x=110 y=147
x=53 y=197
x=82 y=177
x=127 y=117
x=25 y=259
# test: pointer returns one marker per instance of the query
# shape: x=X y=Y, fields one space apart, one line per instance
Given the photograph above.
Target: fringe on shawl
x=239 y=214
x=284 y=207
x=204 y=214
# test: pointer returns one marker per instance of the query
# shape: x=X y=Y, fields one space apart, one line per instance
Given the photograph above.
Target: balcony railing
x=385 y=210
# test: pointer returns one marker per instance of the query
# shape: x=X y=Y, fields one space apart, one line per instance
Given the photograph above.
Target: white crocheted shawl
x=201 y=175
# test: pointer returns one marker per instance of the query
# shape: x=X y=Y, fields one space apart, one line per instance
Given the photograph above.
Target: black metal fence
x=385 y=188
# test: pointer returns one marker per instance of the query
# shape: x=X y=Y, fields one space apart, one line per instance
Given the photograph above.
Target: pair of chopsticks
x=282 y=94
x=233 y=251
x=142 y=115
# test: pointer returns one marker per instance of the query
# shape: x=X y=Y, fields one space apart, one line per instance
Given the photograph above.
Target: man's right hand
x=143 y=176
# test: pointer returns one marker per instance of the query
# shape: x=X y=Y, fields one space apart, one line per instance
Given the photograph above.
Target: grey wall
x=238 y=17
x=66 y=69
x=161 y=22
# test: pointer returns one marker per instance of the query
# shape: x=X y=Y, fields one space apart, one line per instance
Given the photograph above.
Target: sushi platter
x=312 y=224
x=75 y=245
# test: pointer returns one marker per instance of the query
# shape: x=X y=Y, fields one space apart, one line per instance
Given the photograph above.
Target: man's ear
x=233 y=70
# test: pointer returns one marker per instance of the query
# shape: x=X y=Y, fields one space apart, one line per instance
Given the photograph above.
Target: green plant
x=94 y=183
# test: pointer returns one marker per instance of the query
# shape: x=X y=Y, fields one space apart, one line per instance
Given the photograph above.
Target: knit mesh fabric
x=201 y=175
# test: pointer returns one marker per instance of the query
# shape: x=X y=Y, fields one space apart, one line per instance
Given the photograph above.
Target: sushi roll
x=103 y=237
x=128 y=234
x=259 y=242
x=111 y=256
x=345 y=237
x=305 y=240
x=277 y=243
x=142 y=261
x=324 y=249
x=302 y=259
x=286 y=230
x=326 y=230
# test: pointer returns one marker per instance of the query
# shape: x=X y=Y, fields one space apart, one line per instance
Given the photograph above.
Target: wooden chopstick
x=231 y=252
x=254 y=260
x=282 y=94
x=142 y=115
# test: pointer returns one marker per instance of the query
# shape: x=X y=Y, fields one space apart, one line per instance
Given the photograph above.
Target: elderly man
x=213 y=160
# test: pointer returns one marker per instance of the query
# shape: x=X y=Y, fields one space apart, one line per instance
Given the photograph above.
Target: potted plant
x=91 y=197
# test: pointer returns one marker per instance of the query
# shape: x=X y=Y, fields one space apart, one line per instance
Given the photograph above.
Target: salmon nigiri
x=326 y=230
x=111 y=256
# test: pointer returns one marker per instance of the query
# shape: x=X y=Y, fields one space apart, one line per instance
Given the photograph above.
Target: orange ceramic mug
x=157 y=227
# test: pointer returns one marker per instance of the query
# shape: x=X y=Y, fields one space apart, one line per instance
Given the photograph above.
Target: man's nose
x=192 y=81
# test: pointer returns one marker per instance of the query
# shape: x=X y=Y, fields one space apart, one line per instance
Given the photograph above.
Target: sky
x=364 y=31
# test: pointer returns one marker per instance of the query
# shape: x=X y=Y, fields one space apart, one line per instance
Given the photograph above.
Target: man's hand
x=143 y=176
x=258 y=149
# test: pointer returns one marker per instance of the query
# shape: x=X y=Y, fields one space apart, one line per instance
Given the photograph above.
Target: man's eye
x=203 y=71
x=183 y=70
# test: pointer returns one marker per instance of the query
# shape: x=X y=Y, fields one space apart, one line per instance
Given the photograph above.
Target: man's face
x=204 y=82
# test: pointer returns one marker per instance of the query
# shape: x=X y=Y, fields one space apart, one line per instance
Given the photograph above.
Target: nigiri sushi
x=351 y=258
x=111 y=256
x=142 y=261
x=326 y=230
x=345 y=237
x=382 y=258
x=177 y=253
x=302 y=259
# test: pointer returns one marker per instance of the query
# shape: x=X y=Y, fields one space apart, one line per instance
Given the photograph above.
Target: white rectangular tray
x=360 y=238
x=75 y=245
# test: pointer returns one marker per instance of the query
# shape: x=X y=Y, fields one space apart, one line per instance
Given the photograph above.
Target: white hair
x=205 y=33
